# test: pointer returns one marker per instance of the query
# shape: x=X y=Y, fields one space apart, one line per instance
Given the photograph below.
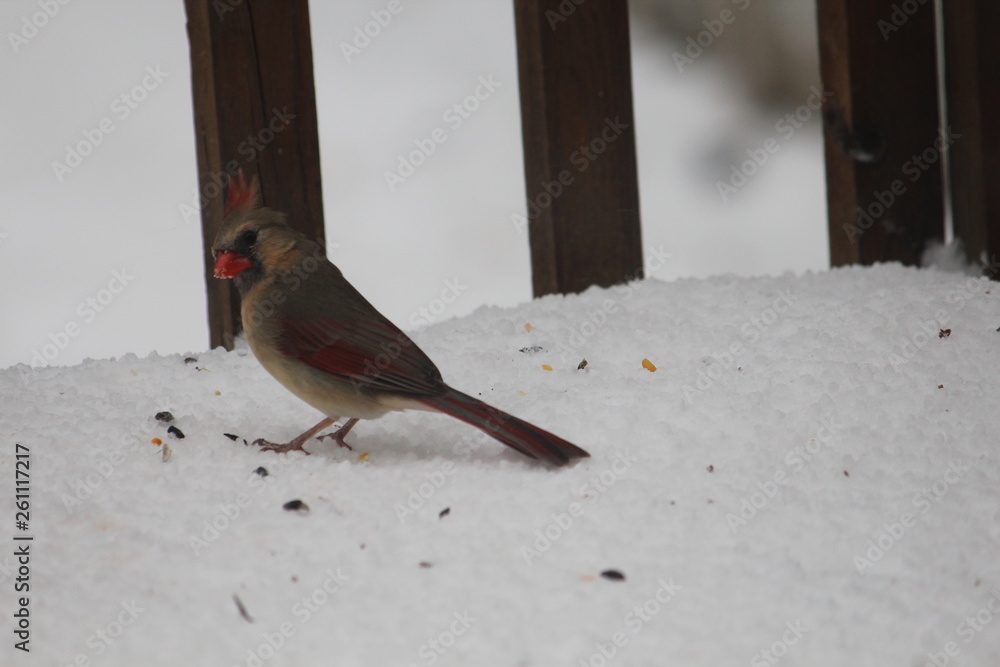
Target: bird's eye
x=247 y=238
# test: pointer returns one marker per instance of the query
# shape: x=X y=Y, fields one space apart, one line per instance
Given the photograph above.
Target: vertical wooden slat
x=879 y=63
x=579 y=143
x=255 y=111
x=972 y=57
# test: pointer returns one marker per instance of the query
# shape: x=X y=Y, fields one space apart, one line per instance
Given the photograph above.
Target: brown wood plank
x=579 y=143
x=255 y=111
x=881 y=124
x=972 y=56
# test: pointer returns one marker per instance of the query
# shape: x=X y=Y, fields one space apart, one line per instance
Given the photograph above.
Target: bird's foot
x=341 y=433
x=268 y=446
x=339 y=439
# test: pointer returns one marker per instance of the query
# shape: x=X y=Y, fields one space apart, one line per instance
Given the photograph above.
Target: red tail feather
x=511 y=431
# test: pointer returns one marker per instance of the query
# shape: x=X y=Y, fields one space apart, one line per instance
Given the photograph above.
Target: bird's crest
x=241 y=196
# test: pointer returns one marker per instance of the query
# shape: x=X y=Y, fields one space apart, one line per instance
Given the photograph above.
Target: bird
x=320 y=338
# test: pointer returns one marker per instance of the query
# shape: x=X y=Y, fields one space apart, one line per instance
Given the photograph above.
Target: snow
x=804 y=480
x=808 y=473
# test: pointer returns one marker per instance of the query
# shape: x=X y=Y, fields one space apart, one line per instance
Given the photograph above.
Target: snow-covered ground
x=809 y=477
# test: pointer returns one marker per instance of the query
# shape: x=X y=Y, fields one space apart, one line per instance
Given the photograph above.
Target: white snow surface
x=810 y=472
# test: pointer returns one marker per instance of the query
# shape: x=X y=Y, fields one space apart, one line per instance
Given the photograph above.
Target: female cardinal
x=319 y=337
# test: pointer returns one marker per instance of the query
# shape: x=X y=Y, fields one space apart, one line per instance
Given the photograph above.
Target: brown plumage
x=322 y=340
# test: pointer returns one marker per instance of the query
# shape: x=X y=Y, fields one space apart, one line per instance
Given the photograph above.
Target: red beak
x=230 y=264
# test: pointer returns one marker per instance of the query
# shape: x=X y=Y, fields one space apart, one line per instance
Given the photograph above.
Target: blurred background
x=100 y=253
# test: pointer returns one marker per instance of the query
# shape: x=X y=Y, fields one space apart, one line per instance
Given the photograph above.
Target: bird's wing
x=374 y=356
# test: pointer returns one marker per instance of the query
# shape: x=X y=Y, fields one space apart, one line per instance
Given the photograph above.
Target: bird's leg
x=296 y=443
x=341 y=433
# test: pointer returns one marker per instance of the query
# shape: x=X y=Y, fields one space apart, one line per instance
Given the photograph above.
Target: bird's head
x=253 y=241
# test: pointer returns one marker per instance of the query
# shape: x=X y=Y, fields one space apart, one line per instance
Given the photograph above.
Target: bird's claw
x=268 y=446
x=341 y=433
x=338 y=438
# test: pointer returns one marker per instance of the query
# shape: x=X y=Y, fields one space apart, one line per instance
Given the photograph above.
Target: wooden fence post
x=972 y=55
x=579 y=143
x=881 y=125
x=255 y=111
